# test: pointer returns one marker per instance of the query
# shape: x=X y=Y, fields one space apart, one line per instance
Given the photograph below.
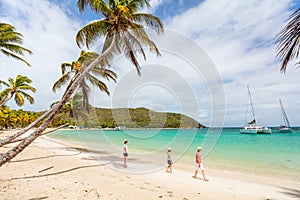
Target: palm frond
x=149 y=20
x=90 y=33
x=135 y=5
x=61 y=81
x=289 y=41
x=96 y=5
x=102 y=86
x=15 y=48
x=27 y=87
x=7 y=53
x=19 y=99
x=64 y=66
x=9 y=42
x=129 y=53
x=4 y=83
x=135 y=43
x=105 y=73
x=143 y=38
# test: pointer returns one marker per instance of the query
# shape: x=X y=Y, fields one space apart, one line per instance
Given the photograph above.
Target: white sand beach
x=51 y=170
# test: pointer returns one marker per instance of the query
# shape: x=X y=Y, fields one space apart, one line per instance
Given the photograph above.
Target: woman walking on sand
x=169 y=160
x=199 y=164
x=125 y=152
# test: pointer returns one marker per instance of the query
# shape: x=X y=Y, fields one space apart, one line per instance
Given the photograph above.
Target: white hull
x=255 y=130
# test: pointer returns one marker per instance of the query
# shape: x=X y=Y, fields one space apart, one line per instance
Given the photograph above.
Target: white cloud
x=238 y=36
x=50 y=35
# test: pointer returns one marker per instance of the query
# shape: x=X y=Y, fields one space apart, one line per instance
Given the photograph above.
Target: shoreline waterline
x=228 y=154
x=64 y=169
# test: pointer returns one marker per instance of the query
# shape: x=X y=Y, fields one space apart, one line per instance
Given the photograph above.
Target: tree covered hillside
x=143 y=118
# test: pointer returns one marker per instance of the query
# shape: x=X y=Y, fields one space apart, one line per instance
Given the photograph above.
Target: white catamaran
x=286 y=128
x=251 y=127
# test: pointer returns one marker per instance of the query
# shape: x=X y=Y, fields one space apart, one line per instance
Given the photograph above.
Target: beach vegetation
x=73 y=114
x=71 y=70
x=289 y=41
x=17 y=89
x=10 y=119
x=10 y=43
x=122 y=29
x=75 y=108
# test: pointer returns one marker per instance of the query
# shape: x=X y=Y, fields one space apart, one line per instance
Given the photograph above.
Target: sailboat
x=286 y=128
x=251 y=127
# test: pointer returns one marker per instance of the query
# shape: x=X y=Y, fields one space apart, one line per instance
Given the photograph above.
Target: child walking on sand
x=169 y=160
x=199 y=164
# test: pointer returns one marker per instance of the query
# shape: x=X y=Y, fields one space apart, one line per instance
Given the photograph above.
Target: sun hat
x=199 y=148
x=169 y=149
x=125 y=140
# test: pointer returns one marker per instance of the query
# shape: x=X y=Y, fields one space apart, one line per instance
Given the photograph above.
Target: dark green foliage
x=143 y=118
x=103 y=118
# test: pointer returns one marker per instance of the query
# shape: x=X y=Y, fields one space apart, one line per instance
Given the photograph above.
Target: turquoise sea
x=276 y=154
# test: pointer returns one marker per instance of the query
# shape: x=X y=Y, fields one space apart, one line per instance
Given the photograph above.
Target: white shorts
x=201 y=167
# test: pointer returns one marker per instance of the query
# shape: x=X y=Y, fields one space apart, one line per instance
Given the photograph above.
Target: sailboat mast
x=253 y=114
x=285 y=118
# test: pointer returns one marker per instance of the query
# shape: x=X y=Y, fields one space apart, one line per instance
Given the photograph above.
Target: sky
x=210 y=51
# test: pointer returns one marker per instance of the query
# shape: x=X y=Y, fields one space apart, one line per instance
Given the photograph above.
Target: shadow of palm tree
x=85 y=150
x=59 y=172
x=38 y=198
x=44 y=157
x=292 y=192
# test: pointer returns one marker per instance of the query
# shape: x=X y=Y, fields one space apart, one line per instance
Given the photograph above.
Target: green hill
x=135 y=118
x=101 y=118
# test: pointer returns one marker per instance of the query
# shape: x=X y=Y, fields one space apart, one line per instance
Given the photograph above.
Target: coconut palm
x=75 y=107
x=289 y=41
x=70 y=70
x=122 y=27
x=10 y=41
x=123 y=32
x=16 y=88
x=5 y=116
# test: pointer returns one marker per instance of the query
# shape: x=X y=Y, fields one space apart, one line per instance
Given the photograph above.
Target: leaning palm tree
x=70 y=70
x=289 y=41
x=10 y=41
x=75 y=108
x=16 y=88
x=123 y=31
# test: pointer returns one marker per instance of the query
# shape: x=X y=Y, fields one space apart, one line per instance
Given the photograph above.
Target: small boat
x=286 y=127
x=255 y=130
x=251 y=127
x=119 y=128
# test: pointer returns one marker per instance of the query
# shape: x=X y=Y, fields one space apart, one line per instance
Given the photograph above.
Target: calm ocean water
x=277 y=154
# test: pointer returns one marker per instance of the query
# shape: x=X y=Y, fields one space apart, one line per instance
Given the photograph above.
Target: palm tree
x=75 y=107
x=123 y=31
x=121 y=27
x=10 y=42
x=69 y=69
x=15 y=88
x=5 y=116
x=289 y=41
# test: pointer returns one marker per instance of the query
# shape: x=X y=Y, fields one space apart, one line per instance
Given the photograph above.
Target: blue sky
x=237 y=36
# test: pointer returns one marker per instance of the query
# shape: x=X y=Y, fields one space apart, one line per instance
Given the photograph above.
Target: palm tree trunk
x=24 y=130
x=55 y=111
x=6 y=100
